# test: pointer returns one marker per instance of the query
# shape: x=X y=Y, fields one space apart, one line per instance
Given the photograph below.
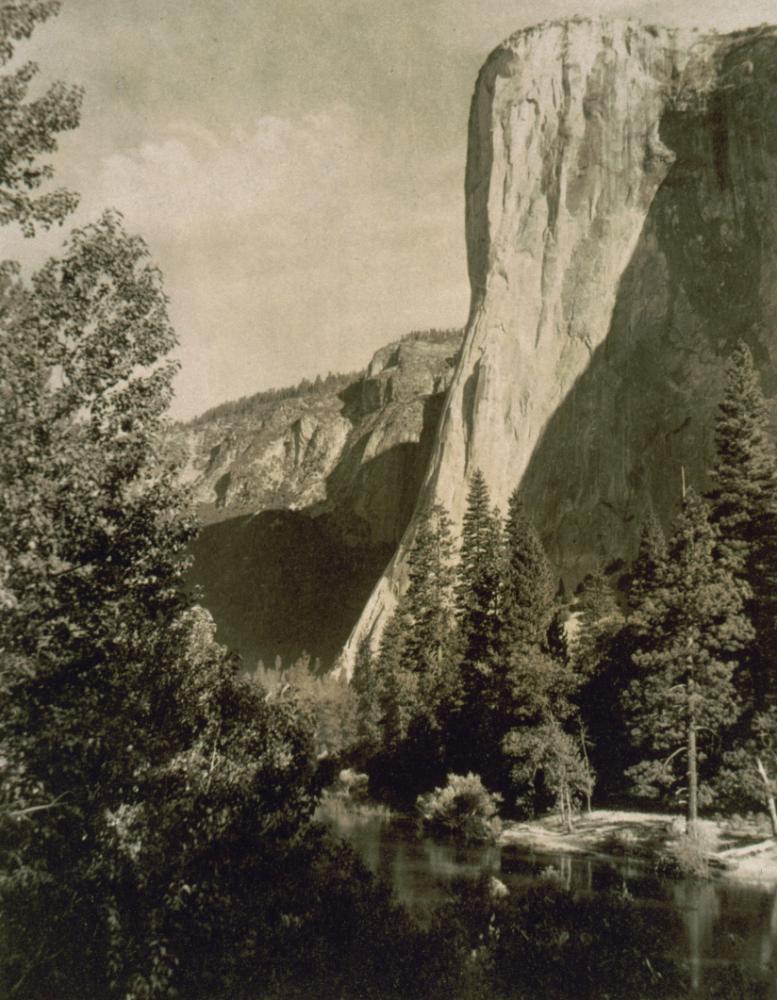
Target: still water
x=723 y=923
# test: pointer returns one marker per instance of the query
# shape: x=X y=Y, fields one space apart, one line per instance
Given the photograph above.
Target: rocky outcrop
x=621 y=213
x=304 y=496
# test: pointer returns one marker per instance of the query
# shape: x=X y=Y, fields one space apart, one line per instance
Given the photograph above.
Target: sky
x=296 y=166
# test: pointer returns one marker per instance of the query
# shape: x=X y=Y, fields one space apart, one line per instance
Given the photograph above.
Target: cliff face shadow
x=282 y=581
x=696 y=283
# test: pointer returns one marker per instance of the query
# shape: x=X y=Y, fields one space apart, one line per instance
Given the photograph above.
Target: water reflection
x=725 y=923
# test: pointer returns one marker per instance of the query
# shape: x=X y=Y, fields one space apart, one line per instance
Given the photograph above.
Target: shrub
x=463 y=808
x=686 y=857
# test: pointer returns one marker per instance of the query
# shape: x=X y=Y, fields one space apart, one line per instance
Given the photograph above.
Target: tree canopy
x=29 y=128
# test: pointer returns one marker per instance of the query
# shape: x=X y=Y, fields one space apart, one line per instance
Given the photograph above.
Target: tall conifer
x=396 y=687
x=744 y=507
x=689 y=628
x=365 y=685
x=527 y=592
x=477 y=590
x=648 y=565
x=428 y=647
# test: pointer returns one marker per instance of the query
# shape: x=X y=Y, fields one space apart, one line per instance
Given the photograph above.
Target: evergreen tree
x=649 y=562
x=527 y=597
x=397 y=687
x=428 y=649
x=744 y=508
x=477 y=590
x=599 y=620
x=689 y=628
x=472 y=740
x=530 y=687
x=365 y=685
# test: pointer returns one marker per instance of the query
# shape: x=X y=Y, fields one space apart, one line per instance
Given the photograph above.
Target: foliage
x=688 y=631
x=649 y=563
x=146 y=786
x=546 y=751
x=686 y=856
x=555 y=944
x=428 y=648
x=330 y=703
x=477 y=590
x=527 y=592
x=364 y=683
x=397 y=687
x=740 y=786
x=598 y=621
x=473 y=740
x=433 y=336
x=744 y=508
x=29 y=128
x=463 y=807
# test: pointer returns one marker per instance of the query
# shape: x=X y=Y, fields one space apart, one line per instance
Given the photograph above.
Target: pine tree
x=744 y=507
x=649 y=562
x=428 y=648
x=397 y=687
x=472 y=743
x=527 y=592
x=689 y=628
x=365 y=685
x=477 y=591
x=598 y=621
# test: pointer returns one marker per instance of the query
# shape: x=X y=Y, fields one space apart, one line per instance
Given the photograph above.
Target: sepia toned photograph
x=388 y=500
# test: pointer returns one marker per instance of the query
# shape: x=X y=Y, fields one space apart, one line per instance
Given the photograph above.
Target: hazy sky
x=297 y=166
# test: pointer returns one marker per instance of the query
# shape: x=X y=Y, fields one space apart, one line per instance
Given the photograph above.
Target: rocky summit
x=621 y=226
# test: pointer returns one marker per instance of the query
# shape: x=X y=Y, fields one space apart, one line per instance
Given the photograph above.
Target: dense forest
x=156 y=807
x=661 y=687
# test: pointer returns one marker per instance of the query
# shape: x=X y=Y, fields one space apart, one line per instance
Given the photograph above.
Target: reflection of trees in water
x=699 y=905
x=723 y=924
x=448 y=861
x=768 y=939
x=726 y=925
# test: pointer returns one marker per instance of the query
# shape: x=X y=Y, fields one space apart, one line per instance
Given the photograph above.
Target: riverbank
x=740 y=850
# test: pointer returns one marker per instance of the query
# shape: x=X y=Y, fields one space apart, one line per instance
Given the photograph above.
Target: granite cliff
x=621 y=227
x=304 y=495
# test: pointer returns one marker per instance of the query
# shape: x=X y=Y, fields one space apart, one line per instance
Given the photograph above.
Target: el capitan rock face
x=622 y=235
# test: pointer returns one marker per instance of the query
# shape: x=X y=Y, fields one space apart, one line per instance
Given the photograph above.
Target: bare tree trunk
x=693 y=774
x=769 y=796
x=566 y=806
x=589 y=784
x=693 y=791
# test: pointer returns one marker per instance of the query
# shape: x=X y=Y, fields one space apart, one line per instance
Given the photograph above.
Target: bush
x=686 y=857
x=463 y=808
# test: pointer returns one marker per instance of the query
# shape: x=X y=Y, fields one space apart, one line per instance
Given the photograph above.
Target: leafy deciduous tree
x=28 y=128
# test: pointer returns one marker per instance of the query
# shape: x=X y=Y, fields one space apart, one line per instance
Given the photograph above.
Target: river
x=725 y=923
